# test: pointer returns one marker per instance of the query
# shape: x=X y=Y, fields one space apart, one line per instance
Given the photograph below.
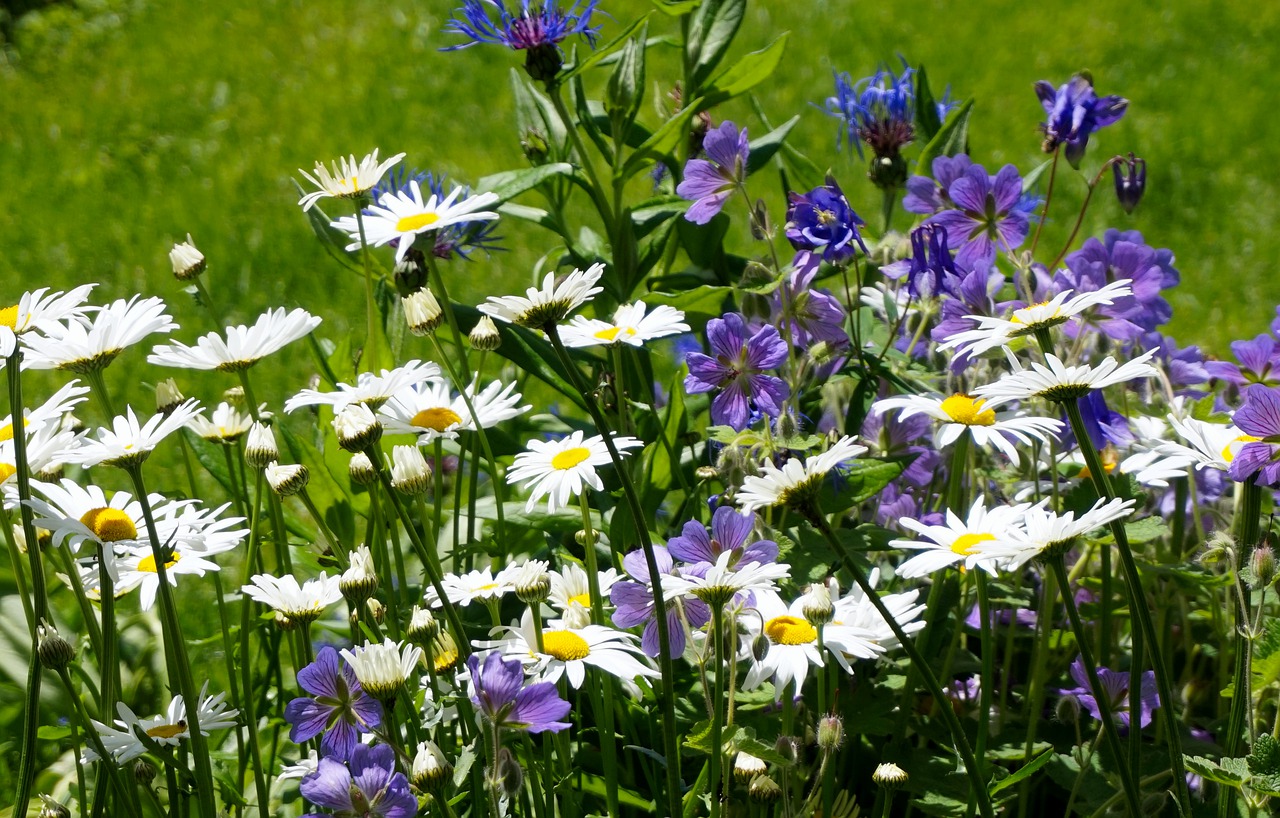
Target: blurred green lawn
x=126 y=124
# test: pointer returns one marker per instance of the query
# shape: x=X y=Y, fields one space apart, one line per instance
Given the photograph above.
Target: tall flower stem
x=1036 y=692
x=671 y=744
x=595 y=189
x=1048 y=197
x=107 y=761
x=988 y=666
x=371 y=307
x=608 y=743
x=1240 y=720
x=246 y=666
x=1084 y=208
x=717 y=708
x=977 y=783
x=1127 y=783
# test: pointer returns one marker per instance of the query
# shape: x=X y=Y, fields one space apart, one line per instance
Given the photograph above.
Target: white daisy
x=50 y=412
x=370 y=389
x=137 y=568
x=1043 y=530
x=127 y=442
x=1059 y=382
x=227 y=425
x=859 y=631
x=346 y=178
x=481 y=584
x=1209 y=445
x=431 y=410
x=571 y=591
x=538 y=308
x=560 y=469
x=48 y=448
x=630 y=326
x=720 y=583
x=796 y=479
x=955 y=541
x=300 y=603
x=383 y=669
x=402 y=215
x=960 y=412
x=40 y=311
x=881 y=298
x=793 y=644
x=167 y=728
x=993 y=332
x=87 y=347
x=568 y=651
x=244 y=345
x=76 y=514
x=302 y=768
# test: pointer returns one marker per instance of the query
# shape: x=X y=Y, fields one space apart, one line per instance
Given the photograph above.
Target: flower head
x=1259 y=418
x=962 y=413
x=83 y=346
x=821 y=222
x=737 y=369
x=878 y=110
x=1059 y=382
x=1074 y=112
x=730 y=530
x=537 y=28
x=299 y=602
x=128 y=442
x=1044 y=532
x=346 y=178
x=244 y=345
x=402 y=216
x=337 y=707
x=630 y=325
x=541 y=308
x=431 y=410
x=560 y=469
x=709 y=182
x=568 y=651
x=1115 y=684
x=956 y=541
x=383 y=668
x=370 y=389
x=797 y=480
x=368 y=787
x=498 y=689
x=167 y=728
x=188 y=262
x=985 y=215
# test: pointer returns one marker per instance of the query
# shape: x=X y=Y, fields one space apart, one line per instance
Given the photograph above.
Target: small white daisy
x=227 y=425
x=796 y=479
x=137 y=568
x=960 y=412
x=51 y=411
x=346 y=178
x=720 y=583
x=300 y=603
x=48 y=448
x=1059 y=382
x=167 y=728
x=539 y=308
x=383 y=669
x=401 y=216
x=993 y=332
x=78 y=346
x=431 y=410
x=568 y=651
x=481 y=584
x=127 y=442
x=793 y=644
x=76 y=514
x=571 y=591
x=630 y=325
x=561 y=469
x=244 y=345
x=1209 y=445
x=858 y=630
x=1043 y=530
x=370 y=389
x=40 y=311
x=955 y=541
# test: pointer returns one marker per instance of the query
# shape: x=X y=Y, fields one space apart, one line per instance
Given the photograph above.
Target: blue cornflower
x=1075 y=111
x=537 y=28
x=822 y=223
x=461 y=239
x=878 y=110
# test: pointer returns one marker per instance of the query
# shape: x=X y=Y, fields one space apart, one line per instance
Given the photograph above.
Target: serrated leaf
x=949 y=140
x=699 y=737
x=1265 y=756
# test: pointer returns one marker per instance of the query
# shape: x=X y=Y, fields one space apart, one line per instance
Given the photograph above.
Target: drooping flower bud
x=144 y=772
x=422 y=312
x=55 y=652
x=508 y=774
x=287 y=480
x=1131 y=181
x=830 y=733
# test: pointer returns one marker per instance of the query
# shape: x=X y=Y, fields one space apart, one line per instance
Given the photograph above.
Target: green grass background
x=124 y=124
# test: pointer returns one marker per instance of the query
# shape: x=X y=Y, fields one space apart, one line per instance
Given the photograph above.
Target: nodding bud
x=410 y=472
x=287 y=480
x=761 y=229
x=508 y=775
x=1221 y=546
x=747 y=766
x=377 y=610
x=357 y=428
x=1067 y=710
x=1131 y=181
x=705 y=473
x=760 y=647
x=361 y=470
x=360 y=580
x=410 y=274
x=788 y=747
x=816 y=605
x=144 y=772
x=1262 y=567
x=423 y=626
x=764 y=790
x=431 y=770
x=422 y=312
x=52 y=809
x=787 y=425
x=168 y=396
x=234 y=395
x=830 y=733
x=260 y=449
x=484 y=335
x=890 y=776
x=55 y=652
x=584 y=538
x=187 y=261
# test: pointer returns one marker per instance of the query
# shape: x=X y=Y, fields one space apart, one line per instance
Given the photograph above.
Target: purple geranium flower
x=812 y=314
x=499 y=691
x=821 y=222
x=1115 y=683
x=370 y=788
x=1259 y=363
x=986 y=217
x=340 y=708
x=709 y=182
x=634 y=604
x=974 y=294
x=729 y=532
x=1260 y=419
x=1121 y=255
x=1075 y=112
x=737 y=370
x=1185 y=366
x=928 y=196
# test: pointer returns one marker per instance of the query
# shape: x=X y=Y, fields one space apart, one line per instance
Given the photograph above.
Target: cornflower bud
x=357 y=428
x=168 y=396
x=410 y=472
x=287 y=480
x=889 y=776
x=260 y=449
x=55 y=652
x=361 y=470
x=422 y=312
x=764 y=790
x=1131 y=181
x=360 y=580
x=187 y=261
x=431 y=771
x=484 y=335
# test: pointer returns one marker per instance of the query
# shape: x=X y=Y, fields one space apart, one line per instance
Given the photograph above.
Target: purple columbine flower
x=709 y=182
x=737 y=370
x=1260 y=419
x=340 y=709
x=634 y=604
x=1131 y=181
x=1115 y=683
x=823 y=224
x=370 y=788
x=536 y=27
x=1075 y=112
x=930 y=269
x=986 y=217
x=1259 y=363
x=729 y=532
x=878 y=110
x=499 y=691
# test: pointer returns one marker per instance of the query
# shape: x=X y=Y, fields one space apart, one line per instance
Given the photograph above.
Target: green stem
x=595 y=189
x=106 y=760
x=1048 y=197
x=608 y=741
x=717 y=710
x=246 y=666
x=988 y=668
x=371 y=308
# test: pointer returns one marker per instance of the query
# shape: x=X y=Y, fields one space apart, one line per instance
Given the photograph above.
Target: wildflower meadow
x=750 y=504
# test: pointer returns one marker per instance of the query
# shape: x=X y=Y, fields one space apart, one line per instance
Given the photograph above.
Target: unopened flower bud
x=508 y=774
x=361 y=470
x=444 y=652
x=760 y=647
x=422 y=312
x=52 y=809
x=1262 y=565
x=484 y=335
x=360 y=580
x=410 y=274
x=423 y=626
x=234 y=396
x=187 y=261
x=357 y=428
x=1067 y=709
x=260 y=448
x=888 y=172
x=431 y=770
x=890 y=776
x=376 y=610
x=287 y=480
x=168 y=396
x=787 y=425
x=532 y=582
x=410 y=472
x=788 y=747
x=1131 y=181
x=760 y=227
x=816 y=605
x=144 y=772
x=764 y=790
x=585 y=538
x=830 y=733
x=55 y=652
x=543 y=62
x=747 y=767
x=535 y=146
x=704 y=473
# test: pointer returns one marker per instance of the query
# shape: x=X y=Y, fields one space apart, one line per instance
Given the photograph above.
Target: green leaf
x=745 y=74
x=626 y=87
x=858 y=480
x=1232 y=771
x=711 y=32
x=528 y=351
x=1026 y=771
x=596 y=785
x=676 y=8
x=927 y=122
x=534 y=112
x=1265 y=758
x=699 y=737
x=950 y=140
x=211 y=457
x=699 y=304
x=50 y=732
x=764 y=148
x=1029 y=181
x=571 y=71
x=511 y=183
x=563 y=521
x=663 y=141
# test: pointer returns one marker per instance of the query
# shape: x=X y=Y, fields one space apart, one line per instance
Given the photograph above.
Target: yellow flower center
x=790 y=630
x=582 y=599
x=167 y=730
x=1229 y=455
x=964 y=409
x=1019 y=316
x=565 y=645
x=438 y=418
x=966 y=544
x=570 y=457
x=411 y=223
x=1110 y=457
x=7 y=470
x=9 y=317
x=6 y=431
x=608 y=334
x=148 y=563
x=110 y=524
x=444 y=657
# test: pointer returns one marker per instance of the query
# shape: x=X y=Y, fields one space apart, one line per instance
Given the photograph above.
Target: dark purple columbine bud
x=822 y=222
x=1131 y=181
x=1074 y=112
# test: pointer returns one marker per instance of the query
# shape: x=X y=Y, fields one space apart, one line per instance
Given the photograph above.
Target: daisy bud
x=705 y=473
x=890 y=776
x=764 y=790
x=357 y=428
x=361 y=470
x=532 y=582
x=260 y=448
x=444 y=652
x=410 y=472
x=484 y=335
x=584 y=538
x=360 y=580
x=287 y=480
x=423 y=627
x=234 y=396
x=144 y=772
x=508 y=774
x=431 y=771
x=816 y=605
x=168 y=396
x=1262 y=564
x=52 y=809
x=55 y=652
x=383 y=668
x=830 y=733
x=747 y=767
x=422 y=312
x=376 y=610
x=187 y=261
